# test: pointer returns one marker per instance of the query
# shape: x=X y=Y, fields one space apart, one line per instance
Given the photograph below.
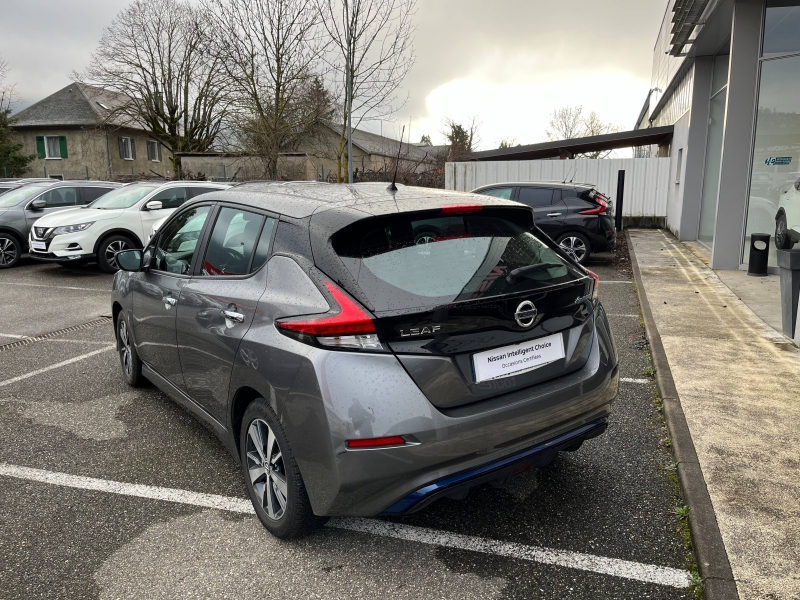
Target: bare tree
x=6 y=89
x=569 y=123
x=272 y=53
x=158 y=54
x=507 y=143
x=374 y=46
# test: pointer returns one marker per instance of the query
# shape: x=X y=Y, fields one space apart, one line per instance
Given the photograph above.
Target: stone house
x=73 y=137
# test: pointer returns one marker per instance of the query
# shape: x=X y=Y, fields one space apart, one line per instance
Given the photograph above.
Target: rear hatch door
x=475 y=302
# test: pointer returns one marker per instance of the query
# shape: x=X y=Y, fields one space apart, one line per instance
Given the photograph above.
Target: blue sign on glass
x=779 y=160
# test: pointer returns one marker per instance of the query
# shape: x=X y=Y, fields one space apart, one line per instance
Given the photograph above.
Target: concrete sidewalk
x=738 y=381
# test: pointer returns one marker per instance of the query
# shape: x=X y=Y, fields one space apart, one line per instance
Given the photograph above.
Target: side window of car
x=178 y=242
x=171 y=197
x=504 y=193
x=196 y=191
x=234 y=241
x=535 y=197
x=90 y=194
x=62 y=196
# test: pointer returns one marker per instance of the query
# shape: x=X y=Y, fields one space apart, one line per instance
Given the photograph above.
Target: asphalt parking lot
x=108 y=492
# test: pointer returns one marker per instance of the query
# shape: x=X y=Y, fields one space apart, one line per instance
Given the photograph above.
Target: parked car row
x=365 y=351
x=80 y=221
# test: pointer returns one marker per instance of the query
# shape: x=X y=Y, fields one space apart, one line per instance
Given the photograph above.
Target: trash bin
x=759 y=255
x=789 y=264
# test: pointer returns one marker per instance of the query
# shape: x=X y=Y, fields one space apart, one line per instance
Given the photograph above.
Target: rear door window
x=424 y=261
x=90 y=194
x=233 y=242
x=196 y=191
x=535 y=197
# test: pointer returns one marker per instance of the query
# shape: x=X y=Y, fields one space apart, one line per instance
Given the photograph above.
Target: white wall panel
x=647 y=180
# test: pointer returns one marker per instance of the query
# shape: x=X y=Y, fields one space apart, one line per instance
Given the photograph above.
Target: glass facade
x=775 y=180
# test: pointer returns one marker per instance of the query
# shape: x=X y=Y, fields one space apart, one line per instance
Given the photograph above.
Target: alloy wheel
x=125 y=348
x=266 y=467
x=574 y=246
x=112 y=250
x=8 y=251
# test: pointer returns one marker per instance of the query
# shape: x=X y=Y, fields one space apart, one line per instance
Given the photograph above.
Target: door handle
x=169 y=300
x=554 y=214
x=233 y=316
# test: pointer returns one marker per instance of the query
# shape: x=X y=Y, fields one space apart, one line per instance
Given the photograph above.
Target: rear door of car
x=217 y=305
x=487 y=307
x=549 y=210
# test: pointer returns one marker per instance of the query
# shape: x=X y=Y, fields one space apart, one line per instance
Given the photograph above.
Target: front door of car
x=56 y=199
x=157 y=290
x=217 y=306
x=170 y=198
x=548 y=215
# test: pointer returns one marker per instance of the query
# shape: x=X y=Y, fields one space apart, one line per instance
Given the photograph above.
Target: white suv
x=787 y=221
x=119 y=220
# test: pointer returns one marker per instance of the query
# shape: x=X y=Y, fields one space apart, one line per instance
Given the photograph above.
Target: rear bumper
x=339 y=396
x=498 y=472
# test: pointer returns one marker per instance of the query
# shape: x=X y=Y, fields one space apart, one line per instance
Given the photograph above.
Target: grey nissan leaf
x=363 y=350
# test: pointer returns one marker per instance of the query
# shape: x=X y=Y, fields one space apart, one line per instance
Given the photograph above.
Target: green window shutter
x=40 y=146
x=62 y=143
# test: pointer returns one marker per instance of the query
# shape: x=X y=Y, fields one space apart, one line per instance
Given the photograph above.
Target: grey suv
x=23 y=205
x=353 y=363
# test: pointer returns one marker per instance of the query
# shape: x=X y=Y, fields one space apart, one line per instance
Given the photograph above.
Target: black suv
x=578 y=217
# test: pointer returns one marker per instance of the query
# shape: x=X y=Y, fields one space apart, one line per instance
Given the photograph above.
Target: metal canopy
x=569 y=148
x=685 y=17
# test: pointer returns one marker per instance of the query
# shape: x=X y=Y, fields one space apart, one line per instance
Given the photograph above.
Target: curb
x=712 y=558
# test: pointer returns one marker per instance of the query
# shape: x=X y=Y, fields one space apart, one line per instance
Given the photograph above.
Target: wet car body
x=418 y=385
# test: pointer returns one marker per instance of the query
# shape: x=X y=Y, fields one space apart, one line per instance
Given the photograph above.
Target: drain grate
x=38 y=338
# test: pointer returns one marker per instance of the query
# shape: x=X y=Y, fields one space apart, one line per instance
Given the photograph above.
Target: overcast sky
x=509 y=63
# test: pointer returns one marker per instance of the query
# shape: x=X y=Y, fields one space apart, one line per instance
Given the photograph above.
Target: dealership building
x=726 y=76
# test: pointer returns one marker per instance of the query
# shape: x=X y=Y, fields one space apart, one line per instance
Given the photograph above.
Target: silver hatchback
x=363 y=351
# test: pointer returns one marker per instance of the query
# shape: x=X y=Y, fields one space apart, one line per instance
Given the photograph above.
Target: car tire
x=108 y=249
x=576 y=245
x=261 y=438
x=783 y=240
x=10 y=250
x=128 y=357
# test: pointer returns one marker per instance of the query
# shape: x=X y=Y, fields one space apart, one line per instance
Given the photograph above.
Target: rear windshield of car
x=124 y=197
x=424 y=261
x=21 y=194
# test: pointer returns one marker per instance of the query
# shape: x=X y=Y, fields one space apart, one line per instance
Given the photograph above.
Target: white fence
x=647 y=180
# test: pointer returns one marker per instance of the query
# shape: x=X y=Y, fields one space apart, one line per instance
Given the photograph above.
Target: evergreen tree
x=12 y=162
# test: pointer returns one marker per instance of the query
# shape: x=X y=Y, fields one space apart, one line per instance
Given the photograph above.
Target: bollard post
x=620 y=196
x=87 y=173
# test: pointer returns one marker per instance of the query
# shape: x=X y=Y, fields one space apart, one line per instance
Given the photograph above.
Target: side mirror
x=38 y=204
x=153 y=205
x=130 y=260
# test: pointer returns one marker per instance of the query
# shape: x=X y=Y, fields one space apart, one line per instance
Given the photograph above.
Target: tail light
x=602 y=207
x=596 y=283
x=458 y=209
x=350 y=328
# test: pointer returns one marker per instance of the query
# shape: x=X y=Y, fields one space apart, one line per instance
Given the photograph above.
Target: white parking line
x=57 y=287
x=11 y=335
x=666 y=576
x=55 y=366
x=633 y=380
x=626 y=316
x=605 y=281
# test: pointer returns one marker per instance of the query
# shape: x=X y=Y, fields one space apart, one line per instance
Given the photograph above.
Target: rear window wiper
x=512 y=277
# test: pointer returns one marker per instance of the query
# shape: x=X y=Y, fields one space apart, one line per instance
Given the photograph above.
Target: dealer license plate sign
x=509 y=360
x=38 y=245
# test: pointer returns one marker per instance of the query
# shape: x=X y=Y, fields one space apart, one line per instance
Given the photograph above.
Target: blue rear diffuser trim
x=398 y=508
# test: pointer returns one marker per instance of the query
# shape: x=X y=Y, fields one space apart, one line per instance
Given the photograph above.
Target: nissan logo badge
x=526 y=314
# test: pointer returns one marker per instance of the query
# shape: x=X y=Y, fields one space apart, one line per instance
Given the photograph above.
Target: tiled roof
x=78 y=104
